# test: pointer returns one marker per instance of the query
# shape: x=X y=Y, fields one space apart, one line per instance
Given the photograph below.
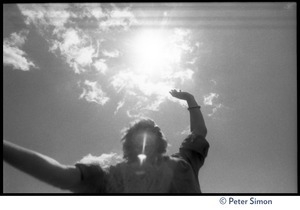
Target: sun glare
x=154 y=52
x=154 y=58
x=149 y=45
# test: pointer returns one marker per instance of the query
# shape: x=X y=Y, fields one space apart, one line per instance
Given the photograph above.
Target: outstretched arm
x=196 y=118
x=40 y=166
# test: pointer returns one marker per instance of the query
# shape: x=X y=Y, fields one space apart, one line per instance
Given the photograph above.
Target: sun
x=149 y=47
x=154 y=52
x=153 y=57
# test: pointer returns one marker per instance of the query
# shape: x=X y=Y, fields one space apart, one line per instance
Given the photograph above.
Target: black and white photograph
x=150 y=98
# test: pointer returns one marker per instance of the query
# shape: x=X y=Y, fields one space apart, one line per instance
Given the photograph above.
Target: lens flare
x=142 y=157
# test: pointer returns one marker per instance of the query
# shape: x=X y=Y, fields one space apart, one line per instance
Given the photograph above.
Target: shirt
x=177 y=173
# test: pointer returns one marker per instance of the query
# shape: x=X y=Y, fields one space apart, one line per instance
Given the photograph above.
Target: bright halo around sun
x=154 y=52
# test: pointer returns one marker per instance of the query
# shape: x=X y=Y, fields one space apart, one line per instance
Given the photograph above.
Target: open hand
x=181 y=95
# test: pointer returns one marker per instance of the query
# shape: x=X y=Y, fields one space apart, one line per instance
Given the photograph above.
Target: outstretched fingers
x=174 y=92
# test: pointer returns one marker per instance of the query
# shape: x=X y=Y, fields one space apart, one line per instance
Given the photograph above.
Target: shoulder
x=177 y=161
x=195 y=143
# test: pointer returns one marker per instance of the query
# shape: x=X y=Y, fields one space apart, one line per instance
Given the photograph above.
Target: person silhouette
x=144 y=168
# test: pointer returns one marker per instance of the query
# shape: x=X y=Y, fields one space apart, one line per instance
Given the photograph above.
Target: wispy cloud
x=120 y=19
x=183 y=75
x=186 y=131
x=154 y=106
x=45 y=15
x=13 y=55
x=148 y=94
x=60 y=25
x=93 y=92
x=210 y=100
x=100 y=66
x=112 y=54
x=119 y=106
x=75 y=47
x=131 y=113
x=51 y=20
x=89 y=10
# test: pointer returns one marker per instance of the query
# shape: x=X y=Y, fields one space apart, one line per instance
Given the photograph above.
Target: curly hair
x=143 y=125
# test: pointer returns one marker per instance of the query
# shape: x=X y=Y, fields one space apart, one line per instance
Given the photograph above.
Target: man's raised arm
x=196 y=118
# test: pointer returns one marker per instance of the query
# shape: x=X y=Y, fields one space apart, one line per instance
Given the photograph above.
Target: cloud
x=92 y=92
x=154 y=106
x=100 y=66
x=84 y=56
x=97 y=12
x=89 y=10
x=112 y=54
x=59 y=15
x=120 y=19
x=45 y=15
x=121 y=80
x=13 y=55
x=119 y=106
x=209 y=100
x=186 y=131
x=182 y=39
x=149 y=95
x=183 y=75
x=215 y=109
x=76 y=48
x=63 y=26
x=134 y=82
x=50 y=21
x=131 y=113
x=70 y=40
x=104 y=160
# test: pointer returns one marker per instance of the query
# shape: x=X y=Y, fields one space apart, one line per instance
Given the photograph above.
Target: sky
x=76 y=75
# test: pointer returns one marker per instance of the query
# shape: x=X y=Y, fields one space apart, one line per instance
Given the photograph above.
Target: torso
x=134 y=178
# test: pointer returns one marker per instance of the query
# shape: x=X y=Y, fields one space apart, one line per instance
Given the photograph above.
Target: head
x=143 y=136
